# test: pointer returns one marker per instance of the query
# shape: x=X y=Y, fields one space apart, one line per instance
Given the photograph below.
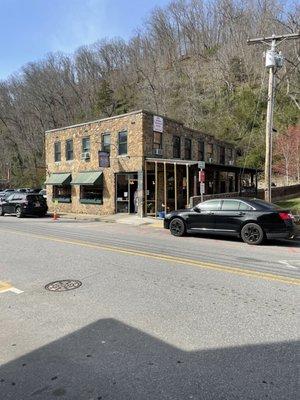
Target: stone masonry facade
x=139 y=128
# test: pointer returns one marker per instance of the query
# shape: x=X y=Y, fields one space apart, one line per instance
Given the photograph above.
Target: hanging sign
x=103 y=159
x=158 y=124
x=201 y=176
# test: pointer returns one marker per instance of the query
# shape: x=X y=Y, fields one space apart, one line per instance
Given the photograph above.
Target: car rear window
x=230 y=205
x=210 y=205
x=265 y=204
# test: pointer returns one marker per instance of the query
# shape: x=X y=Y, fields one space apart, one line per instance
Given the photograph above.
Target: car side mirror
x=196 y=209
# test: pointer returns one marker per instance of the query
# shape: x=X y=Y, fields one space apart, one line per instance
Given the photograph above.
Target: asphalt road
x=156 y=317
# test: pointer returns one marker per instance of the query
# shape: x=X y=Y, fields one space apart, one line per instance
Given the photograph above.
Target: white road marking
x=7 y=287
x=288 y=264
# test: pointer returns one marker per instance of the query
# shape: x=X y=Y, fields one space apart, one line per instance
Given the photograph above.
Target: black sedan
x=23 y=204
x=252 y=220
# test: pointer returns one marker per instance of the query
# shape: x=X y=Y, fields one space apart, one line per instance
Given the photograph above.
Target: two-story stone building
x=135 y=162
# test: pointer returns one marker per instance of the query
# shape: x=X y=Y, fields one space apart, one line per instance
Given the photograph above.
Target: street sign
x=202 y=187
x=201 y=164
x=201 y=176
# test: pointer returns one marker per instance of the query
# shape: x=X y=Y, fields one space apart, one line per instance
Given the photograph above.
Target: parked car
x=5 y=193
x=252 y=220
x=43 y=192
x=23 y=204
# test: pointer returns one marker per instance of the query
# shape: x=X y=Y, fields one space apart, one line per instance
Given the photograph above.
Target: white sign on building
x=158 y=124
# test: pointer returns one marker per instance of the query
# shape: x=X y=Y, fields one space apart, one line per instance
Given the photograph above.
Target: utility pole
x=274 y=61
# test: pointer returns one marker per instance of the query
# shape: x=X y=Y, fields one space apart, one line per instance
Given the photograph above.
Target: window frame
x=87 y=200
x=187 y=149
x=83 y=148
x=103 y=145
x=208 y=153
x=61 y=199
x=68 y=151
x=157 y=144
x=176 y=146
x=56 y=153
x=122 y=143
x=201 y=150
x=222 y=155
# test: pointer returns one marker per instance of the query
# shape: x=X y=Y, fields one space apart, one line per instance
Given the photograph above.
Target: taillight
x=286 y=216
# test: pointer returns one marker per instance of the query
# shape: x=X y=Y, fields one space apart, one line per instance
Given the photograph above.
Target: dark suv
x=23 y=204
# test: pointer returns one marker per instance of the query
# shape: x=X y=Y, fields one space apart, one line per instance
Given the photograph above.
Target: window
x=157 y=140
x=210 y=205
x=69 y=149
x=57 y=151
x=122 y=143
x=230 y=154
x=91 y=194
x=230 y=205
x=222 y=155
x=201 y=155
x=86 y=146
x=244 y=206
x=176 y=147
x=187 y=149
x=62 y=193
x=209 y=150
x=106 y=142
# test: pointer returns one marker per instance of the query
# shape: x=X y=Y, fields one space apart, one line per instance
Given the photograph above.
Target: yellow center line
x=178 y=260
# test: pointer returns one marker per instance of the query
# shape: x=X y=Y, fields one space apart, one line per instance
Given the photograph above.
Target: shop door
x=126 y=193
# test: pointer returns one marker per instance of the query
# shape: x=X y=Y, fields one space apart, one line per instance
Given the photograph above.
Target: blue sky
x=30 y=29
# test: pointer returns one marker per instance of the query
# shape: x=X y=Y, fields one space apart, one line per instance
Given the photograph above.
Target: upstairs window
x=222 y=155
x=57 y=151
x=122 y=143
x=209 y=151
x=187 y=149
x=176 y=147
x=157 y=140
x=201 y=154
x=69 y=150
x=86 y=145
x=106 y=142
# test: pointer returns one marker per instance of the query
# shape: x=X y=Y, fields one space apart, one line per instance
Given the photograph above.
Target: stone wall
x=132 y=123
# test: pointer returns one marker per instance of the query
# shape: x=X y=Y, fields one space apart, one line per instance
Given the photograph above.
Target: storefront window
x=62 y=194
x=91 y=194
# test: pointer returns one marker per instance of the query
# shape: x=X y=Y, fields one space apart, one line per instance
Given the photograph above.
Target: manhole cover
x=62 y=286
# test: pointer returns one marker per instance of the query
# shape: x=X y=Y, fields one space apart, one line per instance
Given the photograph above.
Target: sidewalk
x=115 y=218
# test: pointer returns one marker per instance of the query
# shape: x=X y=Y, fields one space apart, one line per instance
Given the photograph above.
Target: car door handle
x=241 y=213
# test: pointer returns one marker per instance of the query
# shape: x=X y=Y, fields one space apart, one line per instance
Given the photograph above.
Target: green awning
x=88 y=178
x=59 y=179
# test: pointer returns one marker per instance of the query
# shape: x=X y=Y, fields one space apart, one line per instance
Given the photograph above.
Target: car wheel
x=252 y=234
x=18 y=212
x=177 y=227
x=1 y=211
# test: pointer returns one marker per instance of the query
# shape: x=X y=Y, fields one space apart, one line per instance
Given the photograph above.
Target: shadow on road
x=111 y=360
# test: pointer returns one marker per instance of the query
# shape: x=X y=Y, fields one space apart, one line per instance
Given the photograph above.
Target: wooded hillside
x=189 y=61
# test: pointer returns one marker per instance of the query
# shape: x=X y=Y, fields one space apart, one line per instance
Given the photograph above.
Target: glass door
x=126 y=193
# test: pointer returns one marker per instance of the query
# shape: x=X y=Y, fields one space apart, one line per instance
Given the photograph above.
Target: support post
x=156 y=185
x=175 y=185
x=187 y=186
x=165 y=187
x=269 y=128
x=146 y=188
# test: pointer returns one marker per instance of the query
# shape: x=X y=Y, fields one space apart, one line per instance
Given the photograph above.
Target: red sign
x=202 y=176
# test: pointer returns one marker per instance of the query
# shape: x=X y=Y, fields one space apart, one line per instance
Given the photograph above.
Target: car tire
x=19 y=212
x=177 y=227
x=1 y=212
x=252 y=233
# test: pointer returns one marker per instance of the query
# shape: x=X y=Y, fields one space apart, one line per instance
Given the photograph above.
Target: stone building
x=135 y=162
